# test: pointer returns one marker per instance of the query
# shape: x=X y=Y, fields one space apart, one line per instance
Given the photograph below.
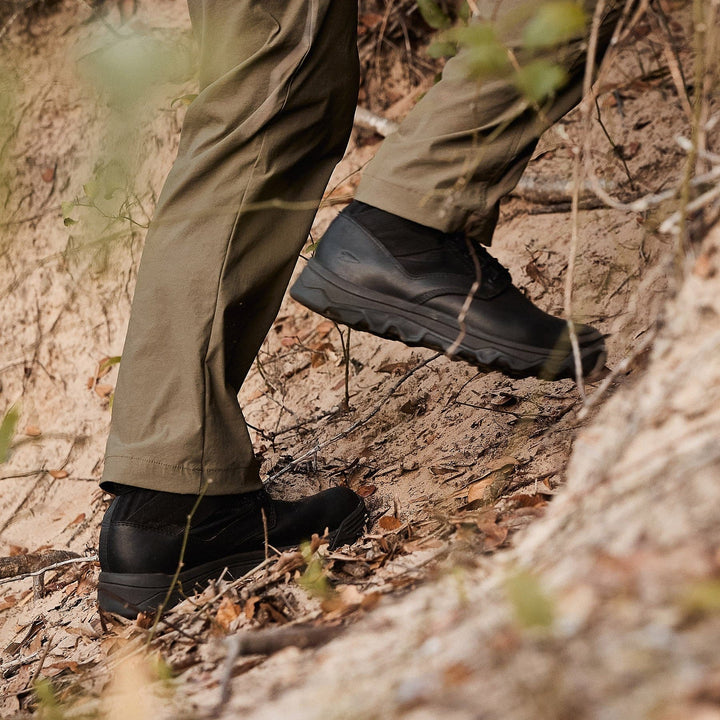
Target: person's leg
x=466 y=143
x=401 y=260
x=278 y=88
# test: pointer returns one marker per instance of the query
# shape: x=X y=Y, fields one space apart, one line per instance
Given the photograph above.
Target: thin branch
x=357 y=424
x=450 y=352
x=54 y=566
x=181 y=561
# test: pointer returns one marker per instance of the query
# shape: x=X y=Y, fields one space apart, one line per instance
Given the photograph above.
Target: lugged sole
x=128 y=594
x=329 y=295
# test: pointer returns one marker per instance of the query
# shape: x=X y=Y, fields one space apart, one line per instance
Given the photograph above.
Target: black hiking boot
x=142 y=534
x=377 y=272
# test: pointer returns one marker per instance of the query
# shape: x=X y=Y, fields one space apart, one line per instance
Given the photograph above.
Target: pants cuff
x=181 y=479
x=426 y=208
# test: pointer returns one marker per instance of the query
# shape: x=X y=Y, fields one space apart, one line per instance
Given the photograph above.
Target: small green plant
x=314 y=580
x=48 y=706
x=531 y=606
x=8 y=426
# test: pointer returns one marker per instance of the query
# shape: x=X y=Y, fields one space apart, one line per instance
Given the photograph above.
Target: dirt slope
x=424 y=437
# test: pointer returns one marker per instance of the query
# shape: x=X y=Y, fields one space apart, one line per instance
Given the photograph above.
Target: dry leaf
x=48 y=174
x=395 y=368
x=145 y=620
x=495 y=535
x=104 y=390
x=250 y=604
x=227 y=613
x=388 y=522
x=346 y=599
x=324 y=328
x=366 y=490
x=525 y=500
x=58 y=474
x=33 y=431
x=477 y=490
x=7 y=602
x=77 y=520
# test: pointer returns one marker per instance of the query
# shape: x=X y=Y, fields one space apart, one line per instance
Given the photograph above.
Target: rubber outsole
x=128 y=594
x=329 y=295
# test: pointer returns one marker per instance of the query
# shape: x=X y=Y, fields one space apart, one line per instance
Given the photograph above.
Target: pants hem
x=426 y=208
x=182 y=479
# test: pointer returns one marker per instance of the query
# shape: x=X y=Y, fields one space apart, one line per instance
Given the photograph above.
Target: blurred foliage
x=531 y=606
x=129 y=65
x=134 y=73
x=527 y=57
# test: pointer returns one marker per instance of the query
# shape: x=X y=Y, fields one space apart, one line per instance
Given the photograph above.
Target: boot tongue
x=420 y=249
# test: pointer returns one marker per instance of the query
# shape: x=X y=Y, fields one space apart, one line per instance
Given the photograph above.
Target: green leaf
x=314 y=580
x=483 y=53
x=433 y=15
x=440 y=49
x=7 y=431
x=107 y=363
x=540 y=79
x=533 y=608
x=555 y=23
x=91 y=188
x=464 y=11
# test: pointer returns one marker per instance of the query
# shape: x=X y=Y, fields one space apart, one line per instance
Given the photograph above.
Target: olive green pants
x=278 y=89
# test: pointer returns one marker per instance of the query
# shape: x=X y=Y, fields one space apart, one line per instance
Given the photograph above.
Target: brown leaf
x=104 y=390
x=58 y=474
x=33 y=431
x=395 y=368
x=145 y=620
x=63 y=665
x=370 y=19
x=48 y=174
x=250 y=604
x=525 y=500
x=274 y=613
x=495 y=535
x=477 y=490
x=7 y=602
x=317 y=360
x=77 y=520
x=440 y=470
x=629 y=151
x=370 y=600
x=389 y=522
x=366 y=490
x=227 y=613
x=324 y=328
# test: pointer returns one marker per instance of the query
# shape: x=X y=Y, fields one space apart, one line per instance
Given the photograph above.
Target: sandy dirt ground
x=453 y=463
